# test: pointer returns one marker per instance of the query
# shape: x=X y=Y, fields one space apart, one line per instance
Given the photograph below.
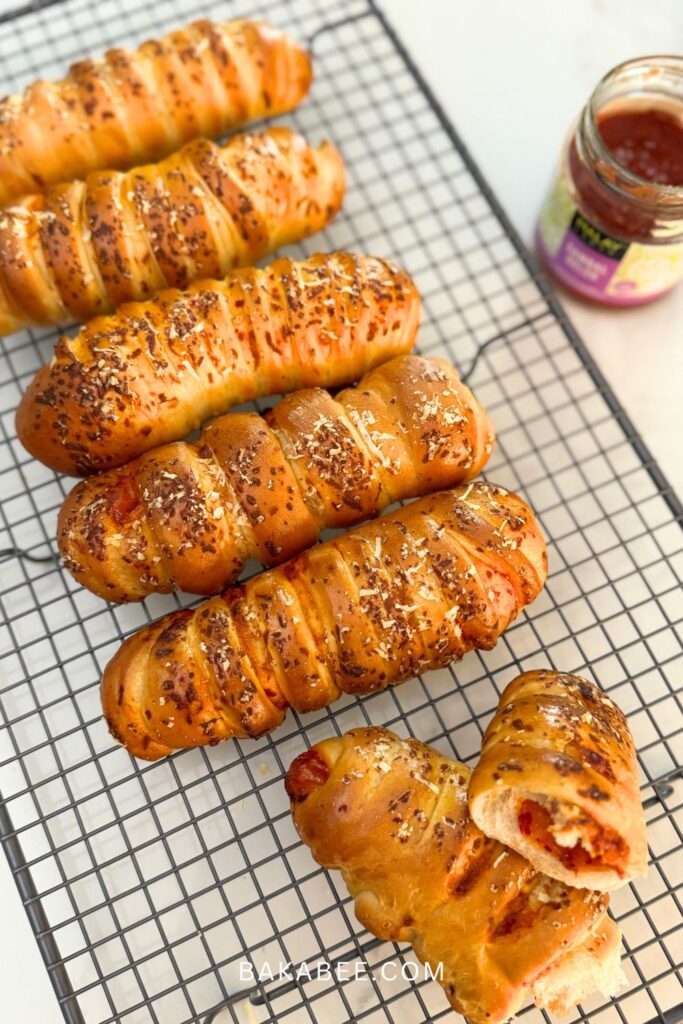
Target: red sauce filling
x=648 y=143
x=308 y=771
x=534 y=823
x=123 y=499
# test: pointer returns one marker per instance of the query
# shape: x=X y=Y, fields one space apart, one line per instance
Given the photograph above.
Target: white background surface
x=511 y=76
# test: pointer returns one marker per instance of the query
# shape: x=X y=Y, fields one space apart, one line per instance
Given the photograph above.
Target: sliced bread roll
x=558 y=782
x=592 y=966
x=392 y=816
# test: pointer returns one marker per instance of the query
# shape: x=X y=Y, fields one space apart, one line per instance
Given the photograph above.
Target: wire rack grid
x=148 y=885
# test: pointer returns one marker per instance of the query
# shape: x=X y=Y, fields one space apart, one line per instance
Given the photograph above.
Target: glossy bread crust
x=130 y=107
x=392 y=816
x=188 y=516
x=560 y=737
x=157 y=370
x=412 y=591
x=86 y=247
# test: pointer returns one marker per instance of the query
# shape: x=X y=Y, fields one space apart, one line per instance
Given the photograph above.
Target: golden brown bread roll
x=392 y=816
x=412 y=591
x=558 y=781
x=188 y=516
x=85 y=247
x=157 y=370
x=130 y=107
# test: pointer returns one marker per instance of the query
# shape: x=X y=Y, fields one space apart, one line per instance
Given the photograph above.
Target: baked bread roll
x=130 y=107
x=392 y=816
x=412 y=591
x=188 y=516
x=558 y=781
x=157 y=370
x=85 y=247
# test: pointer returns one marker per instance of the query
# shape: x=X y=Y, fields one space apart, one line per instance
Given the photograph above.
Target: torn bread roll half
x=558 y=782
x=392 y=816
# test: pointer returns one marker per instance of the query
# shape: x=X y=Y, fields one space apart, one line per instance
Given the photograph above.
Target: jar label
x=598 y=265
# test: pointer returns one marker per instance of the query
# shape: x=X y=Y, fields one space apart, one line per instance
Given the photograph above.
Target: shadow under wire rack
x=148 y=885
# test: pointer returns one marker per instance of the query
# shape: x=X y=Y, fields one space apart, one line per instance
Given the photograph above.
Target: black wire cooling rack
x=148 y=885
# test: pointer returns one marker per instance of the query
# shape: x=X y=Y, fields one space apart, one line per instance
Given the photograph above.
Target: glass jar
x=612 y=227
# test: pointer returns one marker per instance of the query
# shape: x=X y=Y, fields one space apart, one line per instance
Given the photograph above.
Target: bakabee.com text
x=340 y=970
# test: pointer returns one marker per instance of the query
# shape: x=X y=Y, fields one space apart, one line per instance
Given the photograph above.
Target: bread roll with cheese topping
x=558 y=781
x=392 y=816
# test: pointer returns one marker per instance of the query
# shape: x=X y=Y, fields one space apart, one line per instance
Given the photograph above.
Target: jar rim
x=654 y=64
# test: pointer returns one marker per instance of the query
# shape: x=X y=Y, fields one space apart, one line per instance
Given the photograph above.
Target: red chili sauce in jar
x=648 y=142
x=612 y=228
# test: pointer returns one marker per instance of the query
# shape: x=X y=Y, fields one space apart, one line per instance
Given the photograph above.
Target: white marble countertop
x=511 y=77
